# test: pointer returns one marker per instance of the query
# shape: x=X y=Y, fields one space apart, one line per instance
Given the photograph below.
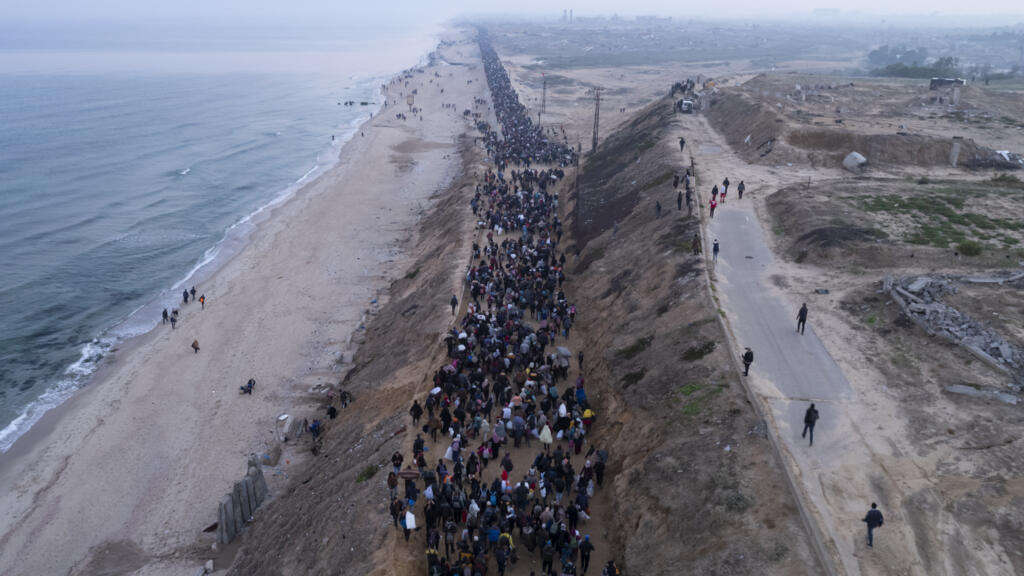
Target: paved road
x=798 y=366
x=790 y=370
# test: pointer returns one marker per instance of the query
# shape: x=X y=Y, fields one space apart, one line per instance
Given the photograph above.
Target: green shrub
x=367 y=473
x=969 y=248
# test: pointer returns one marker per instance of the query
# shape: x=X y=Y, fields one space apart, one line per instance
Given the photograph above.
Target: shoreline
x=203 y=270
x=98 y=417
x=109 y=340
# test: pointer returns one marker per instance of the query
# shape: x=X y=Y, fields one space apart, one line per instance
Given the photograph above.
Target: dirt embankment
x=622 y=168
x=333 y=517
x=765 y=133
x=753 y=129
x=697 y=488
x=828 y=147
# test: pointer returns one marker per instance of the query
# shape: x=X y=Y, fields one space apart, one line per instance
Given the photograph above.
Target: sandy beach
x=135 y=464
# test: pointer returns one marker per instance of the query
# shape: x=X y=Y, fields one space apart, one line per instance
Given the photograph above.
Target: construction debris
x=919 y=297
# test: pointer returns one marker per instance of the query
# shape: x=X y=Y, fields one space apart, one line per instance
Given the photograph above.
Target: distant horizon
x=323 y=14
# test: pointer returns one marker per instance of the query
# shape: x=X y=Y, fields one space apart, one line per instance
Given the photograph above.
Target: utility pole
x=597 y=115
x=544 y=94
x=543 y=98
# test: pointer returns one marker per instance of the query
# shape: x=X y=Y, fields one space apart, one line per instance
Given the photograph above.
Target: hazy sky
x=329 y=12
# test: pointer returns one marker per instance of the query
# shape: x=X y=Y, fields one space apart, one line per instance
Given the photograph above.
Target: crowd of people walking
x=502 y=469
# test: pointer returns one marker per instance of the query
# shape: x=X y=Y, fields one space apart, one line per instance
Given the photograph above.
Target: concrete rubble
x=238 y=506
x=920 y=299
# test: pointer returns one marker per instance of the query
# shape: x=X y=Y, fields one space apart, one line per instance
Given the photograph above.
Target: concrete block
x=855 y=162
x=243 y=501
x=236 y=510
x=250 y=496
x=228 y=509
x=261 y=487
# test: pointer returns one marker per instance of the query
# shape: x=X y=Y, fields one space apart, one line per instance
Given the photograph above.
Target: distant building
x=940 y=83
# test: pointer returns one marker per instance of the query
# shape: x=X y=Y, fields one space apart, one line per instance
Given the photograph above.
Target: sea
x=133 y=165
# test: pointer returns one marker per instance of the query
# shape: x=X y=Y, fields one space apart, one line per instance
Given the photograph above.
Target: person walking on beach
x=174 y=321
x=165 y=315
x=192 y=293
x=714 y=251
x=725 y=188
x=740 y=188
x=874 y=520
x=801 y=318
x=184 y=296
x=682 y=143
x=454 y=303
x=810 y=418
x=748 y=359
x=195 y=346
x=713 y=204
x=202 y=301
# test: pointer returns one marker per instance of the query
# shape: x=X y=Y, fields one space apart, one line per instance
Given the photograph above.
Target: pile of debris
x=920 y=299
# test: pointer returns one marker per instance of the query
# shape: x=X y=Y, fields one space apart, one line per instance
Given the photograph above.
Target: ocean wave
x=74 y=377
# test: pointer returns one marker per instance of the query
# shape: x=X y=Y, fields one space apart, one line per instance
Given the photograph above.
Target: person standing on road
x=810 y=418
x=714 y=251
x=455 y=304
x=740 y=188
x=874 y=520
x=801 y=318
x=748 y=359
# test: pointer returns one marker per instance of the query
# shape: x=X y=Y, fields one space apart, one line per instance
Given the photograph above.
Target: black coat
x=874 y=518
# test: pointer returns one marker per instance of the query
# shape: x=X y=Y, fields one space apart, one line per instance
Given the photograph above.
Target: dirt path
x=857 y=456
